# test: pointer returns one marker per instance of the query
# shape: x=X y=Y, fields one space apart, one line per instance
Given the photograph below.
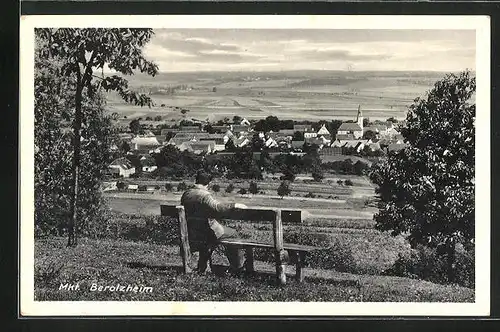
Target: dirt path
x=149 y=204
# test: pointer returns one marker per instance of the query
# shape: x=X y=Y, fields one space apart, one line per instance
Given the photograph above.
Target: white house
x=324 y=132
x=133 y=187
x=310 y=134
x=122 y=167
x=145 y=143
x=148 y=164
x=245 y=122
x=349 y=129
x=108 y=186
x=270 y=143
x=227 y=136
x=241 y=141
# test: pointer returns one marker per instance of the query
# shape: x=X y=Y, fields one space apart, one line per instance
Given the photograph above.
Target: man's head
x=203 y=178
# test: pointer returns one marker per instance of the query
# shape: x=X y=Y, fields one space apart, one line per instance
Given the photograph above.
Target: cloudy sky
x=275 y=50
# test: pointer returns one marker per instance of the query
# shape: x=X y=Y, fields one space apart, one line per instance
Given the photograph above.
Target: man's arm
x=216 y=207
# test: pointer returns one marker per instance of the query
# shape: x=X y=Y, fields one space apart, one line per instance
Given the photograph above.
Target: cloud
x=333 y=55
x=286 y=49
x=195 y=46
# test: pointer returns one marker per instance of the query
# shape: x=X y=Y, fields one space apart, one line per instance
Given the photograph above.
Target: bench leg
x=280 y=257
x=186 y=258
x=249 y=260
x=299 y=272
x=205 y=257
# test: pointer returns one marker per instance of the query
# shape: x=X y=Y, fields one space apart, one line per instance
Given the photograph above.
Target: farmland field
x=308 y=95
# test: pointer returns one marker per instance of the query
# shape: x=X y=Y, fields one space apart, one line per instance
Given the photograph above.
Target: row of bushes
x=162 y=230
x=422 y=262
x=283 y=189
x=425 y=263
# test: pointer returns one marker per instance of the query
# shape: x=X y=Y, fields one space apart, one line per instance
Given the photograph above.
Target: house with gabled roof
x=310 y=134
x=352 y=128
x=373 y=128
x=165 y=131
x=392 y=132
x=221 y=129
x=297 y=145
x=228 y=136
x=286 y=132
x=240 y=129
x=330 y=151
x=337 y=143
x=148 y=164
x=349 y=129
x=317 y=141
x=344 y=137
x=178 y=141
x=323 y=132
x=121 y=167
x=160 y=139
x=218 y=138
x=190 y=129
x=245 y=122
x=145 y=143
x=185 y=146
x=374 y=146
x=270 y=143
x=202 y=147
x=241 y=141
x=305 y=128
x=394 y=147
x=357 y=145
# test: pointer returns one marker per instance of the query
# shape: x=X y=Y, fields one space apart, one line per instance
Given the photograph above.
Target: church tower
x=359 y=118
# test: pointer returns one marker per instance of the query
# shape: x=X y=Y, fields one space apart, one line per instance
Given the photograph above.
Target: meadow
x=301 y=95
x=137 y=246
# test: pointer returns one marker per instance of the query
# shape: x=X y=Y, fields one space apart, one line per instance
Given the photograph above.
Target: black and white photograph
x=254 y=165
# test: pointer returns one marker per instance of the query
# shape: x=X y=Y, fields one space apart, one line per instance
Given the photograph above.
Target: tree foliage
x=182 y=186
x=253 y=188
x=230 y=188
x=80 y=54
x=370 y=134
x=172 y=162
x=298 y=136
x=54 y=109
x=135 y=126
x=317 y=174
x=284 y=189
x=427 y=189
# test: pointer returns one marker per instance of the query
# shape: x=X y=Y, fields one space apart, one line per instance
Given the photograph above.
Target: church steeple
x=359 y=117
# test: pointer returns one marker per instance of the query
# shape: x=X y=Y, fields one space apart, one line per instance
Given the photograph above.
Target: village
x=359 y=137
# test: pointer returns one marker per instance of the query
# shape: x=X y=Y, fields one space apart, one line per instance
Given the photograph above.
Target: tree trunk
x=450 y=261
x=77 y=125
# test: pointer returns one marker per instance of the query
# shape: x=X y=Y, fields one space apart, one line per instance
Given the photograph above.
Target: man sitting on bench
x=205 y=231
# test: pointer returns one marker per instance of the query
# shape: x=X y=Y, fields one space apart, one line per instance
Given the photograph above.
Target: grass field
x=137 y=246
x=307 y=95
x=111 y=262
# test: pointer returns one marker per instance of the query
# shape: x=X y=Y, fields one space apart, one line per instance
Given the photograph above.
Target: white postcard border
x=29 y=307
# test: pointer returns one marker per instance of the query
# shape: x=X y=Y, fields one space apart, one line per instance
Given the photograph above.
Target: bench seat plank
x=287 y=246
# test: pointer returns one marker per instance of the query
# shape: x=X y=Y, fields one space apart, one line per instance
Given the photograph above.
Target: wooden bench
x=296 y=252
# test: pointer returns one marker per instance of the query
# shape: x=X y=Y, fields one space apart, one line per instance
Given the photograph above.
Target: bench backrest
x=254 y=214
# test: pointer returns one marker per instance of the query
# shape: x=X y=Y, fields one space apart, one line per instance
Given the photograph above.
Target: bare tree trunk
x=450 y=261
x=72 y=222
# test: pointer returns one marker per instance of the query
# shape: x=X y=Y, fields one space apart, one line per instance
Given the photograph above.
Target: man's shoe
x=237 y=272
